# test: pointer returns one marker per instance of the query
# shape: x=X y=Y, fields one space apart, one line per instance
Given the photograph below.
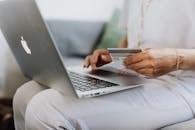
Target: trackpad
x=123 y=80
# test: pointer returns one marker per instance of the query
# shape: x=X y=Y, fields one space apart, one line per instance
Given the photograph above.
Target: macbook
x=39 y=58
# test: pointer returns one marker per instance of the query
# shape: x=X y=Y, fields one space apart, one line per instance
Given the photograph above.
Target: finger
x=147 y=72
x=106 y=58
x=93 y=64
x=97 y=53
x=87 y=62
x=140 y=65
x=136 y=58
x=161 y=71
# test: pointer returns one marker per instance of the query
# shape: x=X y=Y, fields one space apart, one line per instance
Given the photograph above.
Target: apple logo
x=25 y=46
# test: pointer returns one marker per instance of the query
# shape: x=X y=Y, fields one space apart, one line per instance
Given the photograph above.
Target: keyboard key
x=86 y=83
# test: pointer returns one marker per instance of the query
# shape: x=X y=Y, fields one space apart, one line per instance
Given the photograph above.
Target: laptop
x=40 y=60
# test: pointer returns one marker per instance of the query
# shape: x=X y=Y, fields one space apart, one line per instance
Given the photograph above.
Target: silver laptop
x=40 y=59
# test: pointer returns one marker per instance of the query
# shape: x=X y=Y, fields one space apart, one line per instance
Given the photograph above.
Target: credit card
x=119 y=54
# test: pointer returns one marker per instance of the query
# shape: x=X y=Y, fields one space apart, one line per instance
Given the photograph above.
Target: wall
x=88 y=10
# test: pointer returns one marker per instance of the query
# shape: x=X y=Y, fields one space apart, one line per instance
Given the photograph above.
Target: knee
x=42 y=112
x=23 y=95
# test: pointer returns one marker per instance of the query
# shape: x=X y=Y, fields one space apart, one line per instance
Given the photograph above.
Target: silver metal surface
x=124 y=82
x=21 y=18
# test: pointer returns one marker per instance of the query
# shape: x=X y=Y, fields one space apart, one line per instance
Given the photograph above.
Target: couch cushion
x=73 y=61
x=113 y=34
x=75 y=37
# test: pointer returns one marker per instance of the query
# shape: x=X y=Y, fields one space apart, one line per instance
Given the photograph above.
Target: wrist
x=186 y=59
x=177 y=59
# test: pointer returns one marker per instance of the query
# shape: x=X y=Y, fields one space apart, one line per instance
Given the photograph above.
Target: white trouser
x=152 y=106
x=22 y=97
x=187 y=125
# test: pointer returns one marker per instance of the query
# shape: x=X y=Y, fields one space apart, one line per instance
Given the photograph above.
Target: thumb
x=106 y=58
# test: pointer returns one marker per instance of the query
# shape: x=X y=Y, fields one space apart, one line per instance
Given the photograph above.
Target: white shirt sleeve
x=124 y=15
x=166 y=24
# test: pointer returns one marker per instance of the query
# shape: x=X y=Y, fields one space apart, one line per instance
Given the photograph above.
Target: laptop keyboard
x=86 y=83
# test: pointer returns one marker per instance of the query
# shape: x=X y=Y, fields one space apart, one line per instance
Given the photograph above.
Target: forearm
x=186 y=59
x=123 y=43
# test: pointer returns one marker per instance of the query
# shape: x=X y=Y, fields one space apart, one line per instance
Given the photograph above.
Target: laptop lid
x=32 y=46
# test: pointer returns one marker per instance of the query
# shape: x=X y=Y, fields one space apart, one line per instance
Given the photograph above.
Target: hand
x=97 y=59
x=153 y=62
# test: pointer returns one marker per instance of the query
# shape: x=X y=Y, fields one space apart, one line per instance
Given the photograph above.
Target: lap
x=151 y=106
x=183 y=86
x=186 y=125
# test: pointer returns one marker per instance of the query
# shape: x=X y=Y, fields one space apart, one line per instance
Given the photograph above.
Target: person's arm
x=186 y=59
x=157 y=62
x=123 y=43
